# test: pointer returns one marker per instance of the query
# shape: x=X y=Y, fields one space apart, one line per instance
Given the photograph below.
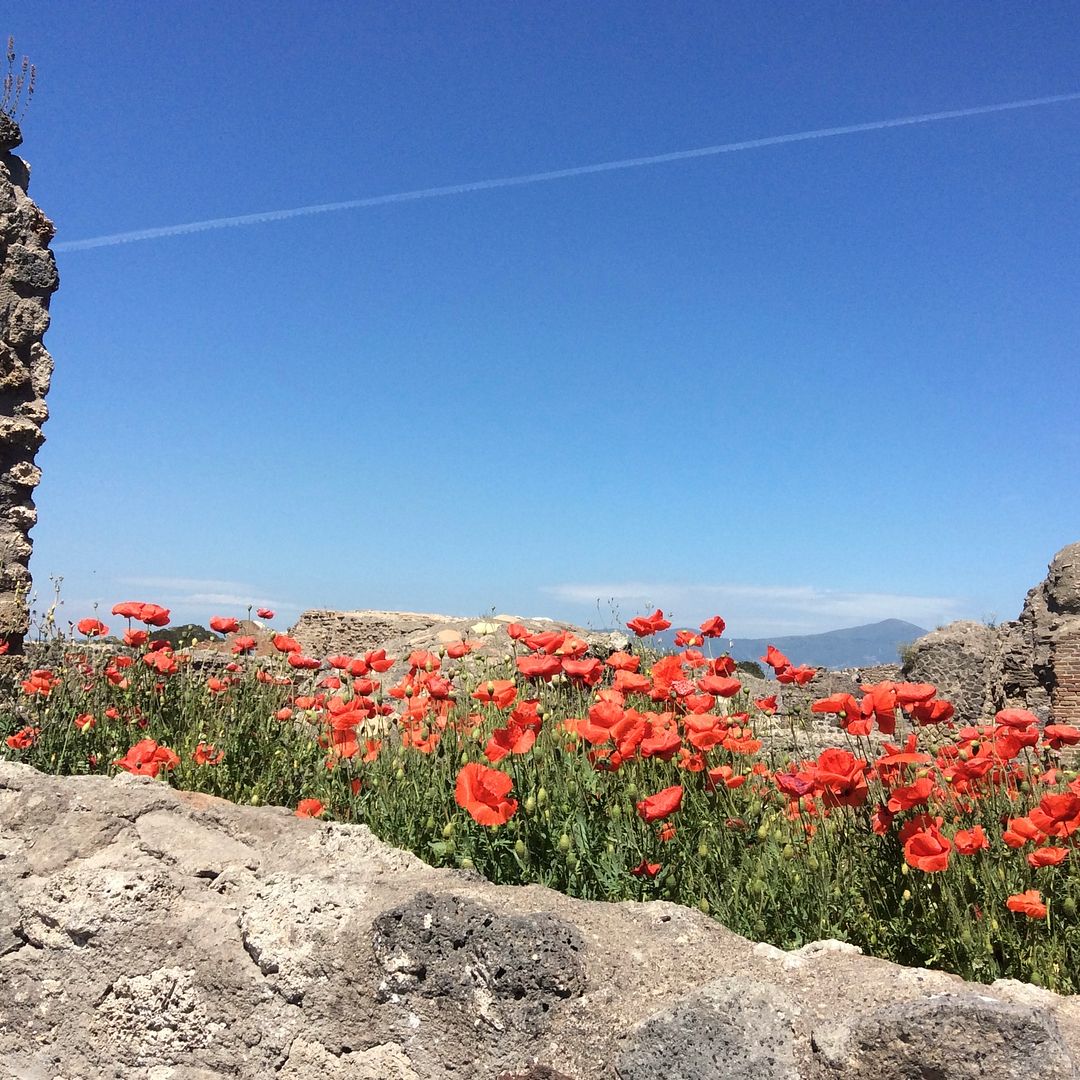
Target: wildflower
x=284 y=643
x=968 y=841
x=224 y=624
x=208 y=754
x=775 y=659
x=135 y=639
x=539 y=666
x=307 y=663
x=713 y=627
x=1050 y=855
x=265 y=613
x=85 y=721
x=309 y=808
x=378 y=661
x=1027 y=903
x=24 y=738
x=92 y=627
x=1057 y=814
x=243 y=644
x=151 y=614
x=498 y=692
x=687 y=637
x=147 y=758
x=659 y=806
x=646 y=869
x=1059 y=735
x=509 y=740
x=927 y=848
x=623 y=661
x=646 y=625
x=766 y=704
x=482 y=793
x=40 y=683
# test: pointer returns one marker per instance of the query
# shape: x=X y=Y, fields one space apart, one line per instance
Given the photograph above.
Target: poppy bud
x=430 y=823
x=703 y=906
x=520 y=850
x=448 y=830
x=530 y=805
x=542 y=796
x=571 y=861
x=564 y=842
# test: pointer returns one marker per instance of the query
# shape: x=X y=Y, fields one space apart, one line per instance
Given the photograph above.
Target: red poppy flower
x=927 y=849
x=224 y=624
x=85 y=721
x=713 y=627
x=1027 y=903
x=646 y=869
x=910 y=795
x=646 y=625
x=284 y=643
x=135 y=639
x=623 y=661
x=720 y=686
x=1059 y=735
x=309 y=808
x=482 y=793
x=587 y=671
x=151 y=614
x=265 y=613
x=1057 y=814
x=147 y=758
x=24 y=738
x=687 y=637
x=208 y=754
x=378 y=661
x=630 y=682
x=766 y=704
x=968 y=841
x=775 y=658
x=92 y=627
x=539 y=666
x=1047 y=856
x=509 y=740
x=498 y=692
x=659 y=806
x=1017 y=718
x=243 y=644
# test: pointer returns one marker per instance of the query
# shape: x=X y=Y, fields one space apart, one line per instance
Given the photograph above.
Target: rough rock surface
x=1032 y=662
x=150 y=933
x=28 y=279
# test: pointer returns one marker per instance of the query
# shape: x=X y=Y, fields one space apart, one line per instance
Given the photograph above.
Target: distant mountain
x=857 y=646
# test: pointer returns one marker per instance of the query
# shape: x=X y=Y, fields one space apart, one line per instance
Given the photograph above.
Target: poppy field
x=633 y=776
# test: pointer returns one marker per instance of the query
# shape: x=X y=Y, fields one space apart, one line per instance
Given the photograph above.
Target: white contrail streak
x=543 y=177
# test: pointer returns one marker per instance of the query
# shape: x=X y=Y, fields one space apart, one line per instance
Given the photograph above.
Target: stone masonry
x=1032 y=662
x=28 y=278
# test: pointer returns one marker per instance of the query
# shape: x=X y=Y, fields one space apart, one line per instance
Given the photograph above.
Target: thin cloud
x=761 y=610
x=242 y=220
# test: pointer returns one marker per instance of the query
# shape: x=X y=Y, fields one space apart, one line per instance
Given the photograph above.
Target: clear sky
x=803 y=386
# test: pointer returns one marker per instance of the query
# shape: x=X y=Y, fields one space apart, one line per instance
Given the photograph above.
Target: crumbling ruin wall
x=1031 y=663
x=28 y=278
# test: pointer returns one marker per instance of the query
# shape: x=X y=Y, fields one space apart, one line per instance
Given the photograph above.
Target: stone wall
x=1032 y=662
x=154 y=934
x=28 y=278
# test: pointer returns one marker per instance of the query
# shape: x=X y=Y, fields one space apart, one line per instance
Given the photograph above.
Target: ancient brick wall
x=1065 y=696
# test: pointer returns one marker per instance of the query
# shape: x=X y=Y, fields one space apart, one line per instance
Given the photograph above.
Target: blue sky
x=803 y=386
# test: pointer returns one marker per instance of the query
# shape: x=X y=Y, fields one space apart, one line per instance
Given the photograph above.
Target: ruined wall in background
x=1031 y=663
x=28 y=279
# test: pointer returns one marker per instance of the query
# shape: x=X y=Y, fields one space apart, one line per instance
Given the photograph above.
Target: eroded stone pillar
x=28 y=278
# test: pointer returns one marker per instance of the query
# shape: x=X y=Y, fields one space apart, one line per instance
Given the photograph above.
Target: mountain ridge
x=854 y=646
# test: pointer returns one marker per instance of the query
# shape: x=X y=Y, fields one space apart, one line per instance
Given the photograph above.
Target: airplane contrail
x=543 y=177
